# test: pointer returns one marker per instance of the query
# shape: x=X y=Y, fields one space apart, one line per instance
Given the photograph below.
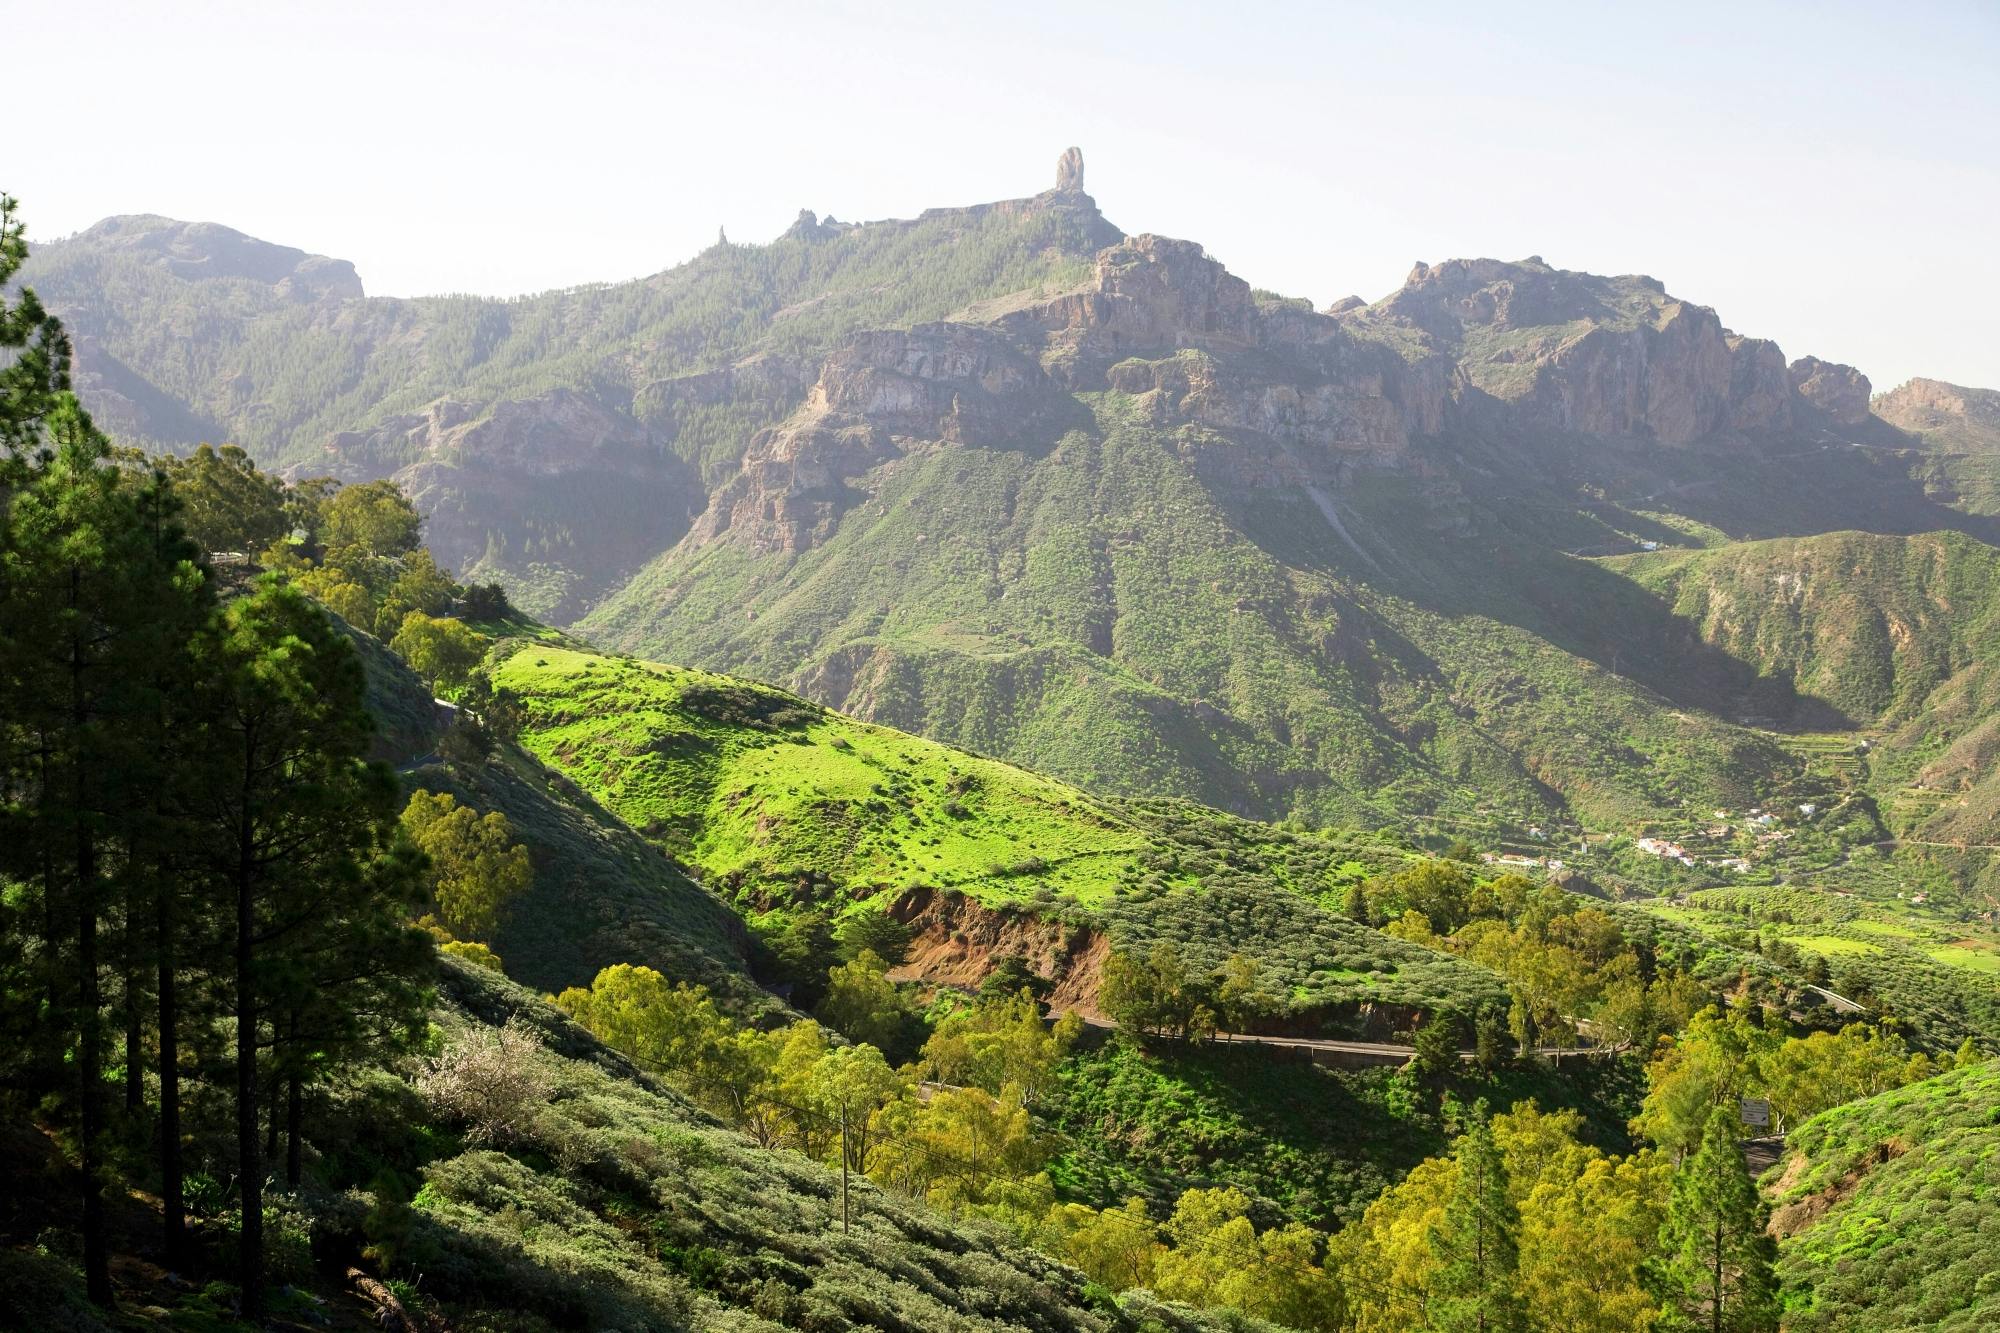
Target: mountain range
x=1511 y=546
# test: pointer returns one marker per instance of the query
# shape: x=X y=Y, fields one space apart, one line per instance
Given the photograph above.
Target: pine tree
x=1476 y=1245
x=96 y=590
x=291 y=818
x=1714 y=1270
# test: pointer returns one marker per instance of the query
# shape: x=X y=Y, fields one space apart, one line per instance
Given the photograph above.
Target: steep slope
x=1886 y=1210
x=600 y=893
x=528 y=1178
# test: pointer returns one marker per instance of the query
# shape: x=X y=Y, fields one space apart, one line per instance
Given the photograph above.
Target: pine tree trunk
x=173 y=1208
x=249 y=1151
x=294 y=1115
x=135 y=1037
x=55 y=933
x=90 y=1065
x=90 y=1037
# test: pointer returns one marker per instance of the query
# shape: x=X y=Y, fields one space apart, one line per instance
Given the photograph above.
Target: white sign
x=1757 y=1111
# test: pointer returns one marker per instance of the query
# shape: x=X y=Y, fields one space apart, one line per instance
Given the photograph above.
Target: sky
x=1826 y=174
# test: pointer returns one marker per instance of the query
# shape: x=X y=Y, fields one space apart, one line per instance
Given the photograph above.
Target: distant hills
x=1512 y=543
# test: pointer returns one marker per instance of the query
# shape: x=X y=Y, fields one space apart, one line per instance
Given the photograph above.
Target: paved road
x=1381 y=1051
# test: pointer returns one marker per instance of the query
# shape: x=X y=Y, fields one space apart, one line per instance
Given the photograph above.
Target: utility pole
x=843 y=1168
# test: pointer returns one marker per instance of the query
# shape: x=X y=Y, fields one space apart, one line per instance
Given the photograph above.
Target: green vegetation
x=476 y=867
x=1718 y=1059
x=1921 y=966
x=1094 y=611
x=196 y=845
x=211 y=905
x=1717 y=1269
x=1885 y=1210
x=763 y=791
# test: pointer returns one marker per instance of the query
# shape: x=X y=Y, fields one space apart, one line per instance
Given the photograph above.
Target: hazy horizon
x=1816 y=176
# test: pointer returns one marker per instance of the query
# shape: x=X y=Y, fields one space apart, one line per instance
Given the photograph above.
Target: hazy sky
x=1824 y=174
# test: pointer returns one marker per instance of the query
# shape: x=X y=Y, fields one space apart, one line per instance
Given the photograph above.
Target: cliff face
x=1282 y=396
x=880 y=395
x=526 y=487
x=1955 y=413
x=1841 y=392
x=1585 y=354
x=1270 y=394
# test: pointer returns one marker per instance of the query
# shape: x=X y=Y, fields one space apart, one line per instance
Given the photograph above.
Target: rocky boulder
x=1147 y=295
x=1760 y=386
x=1586 y=354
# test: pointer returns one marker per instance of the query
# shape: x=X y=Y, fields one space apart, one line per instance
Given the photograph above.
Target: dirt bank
x=958 y=941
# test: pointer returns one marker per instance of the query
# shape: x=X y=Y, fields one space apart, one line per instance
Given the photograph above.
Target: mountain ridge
x=1010 y=477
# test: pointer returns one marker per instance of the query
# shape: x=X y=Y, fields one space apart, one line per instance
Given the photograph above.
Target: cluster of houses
x=1673 y=851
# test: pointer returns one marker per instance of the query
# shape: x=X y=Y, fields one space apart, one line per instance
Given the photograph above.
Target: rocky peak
x=1069 y=171
x=1578 y=352
x=1842 y=392
x=1445 y=299
x=1147 y=295
x=194 y=251
x=1969 y=416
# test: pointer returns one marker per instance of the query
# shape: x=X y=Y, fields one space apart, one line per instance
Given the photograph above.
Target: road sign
x=1757 y=1111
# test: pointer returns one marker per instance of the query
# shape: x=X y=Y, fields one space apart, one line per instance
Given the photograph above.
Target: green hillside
x=1886 y=1210
x=601 y=894
x=789 y=805
x=756 y=787
x=1099 y=612
x=1879 y=627
x=1897 y=637
x=582 y=1194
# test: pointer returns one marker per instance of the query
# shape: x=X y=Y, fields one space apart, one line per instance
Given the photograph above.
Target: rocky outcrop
x=1333 y=408
x=764 y=387
x=1841 y=392
x=543 y=436
x=882 y=394
x=1148 y=294
x=1069 y=171
x=196 y=250
x=1760 y=386
x=1963 y=415
x=505 y=487
x=1586 y=354
x=1287 y=397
